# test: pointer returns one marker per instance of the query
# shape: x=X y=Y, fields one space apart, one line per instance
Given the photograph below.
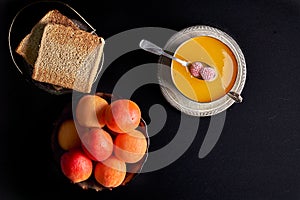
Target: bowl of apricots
x=100 y=142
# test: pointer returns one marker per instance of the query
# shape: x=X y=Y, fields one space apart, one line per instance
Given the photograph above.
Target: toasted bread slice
x=29 y=46
x=68 y=58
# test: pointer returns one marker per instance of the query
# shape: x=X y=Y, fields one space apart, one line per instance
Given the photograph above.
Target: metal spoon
x=197 y=69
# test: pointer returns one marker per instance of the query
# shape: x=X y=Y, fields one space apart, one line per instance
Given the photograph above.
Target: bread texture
x=68 y=57
x=29 y=46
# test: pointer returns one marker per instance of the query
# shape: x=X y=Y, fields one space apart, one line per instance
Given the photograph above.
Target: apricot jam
x=213 y=52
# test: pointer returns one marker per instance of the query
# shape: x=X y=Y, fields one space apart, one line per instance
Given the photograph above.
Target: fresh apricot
x=122 y=115
x=97 y=144
x=68 y=135
x=89 y=111
x=75 y=165
x=111 y=172
x=130 y=147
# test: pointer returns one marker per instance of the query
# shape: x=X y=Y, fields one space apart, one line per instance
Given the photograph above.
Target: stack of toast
x=61 y=53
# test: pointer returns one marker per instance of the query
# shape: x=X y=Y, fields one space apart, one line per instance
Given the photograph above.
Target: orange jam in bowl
x=213 y=52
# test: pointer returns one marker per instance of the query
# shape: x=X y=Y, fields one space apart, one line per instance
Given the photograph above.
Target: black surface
x=258 y=153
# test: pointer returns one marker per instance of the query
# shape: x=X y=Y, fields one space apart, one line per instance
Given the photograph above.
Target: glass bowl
x=182 y=102
x=22 y=24
x=132 y=169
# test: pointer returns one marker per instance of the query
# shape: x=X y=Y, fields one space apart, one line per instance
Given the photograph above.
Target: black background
x=258 y=154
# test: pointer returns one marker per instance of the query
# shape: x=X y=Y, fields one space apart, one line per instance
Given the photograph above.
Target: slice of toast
x=68 y=57
x=29 y=46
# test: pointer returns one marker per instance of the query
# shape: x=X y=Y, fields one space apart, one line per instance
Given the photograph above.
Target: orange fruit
x=89 y=111
x=122 y=115
x=111 y=172
x=68 y=136
x=130 y=147
x=75 y=165
x=97 y=144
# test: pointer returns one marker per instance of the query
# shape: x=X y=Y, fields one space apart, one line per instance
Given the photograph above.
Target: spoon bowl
x=197 y=69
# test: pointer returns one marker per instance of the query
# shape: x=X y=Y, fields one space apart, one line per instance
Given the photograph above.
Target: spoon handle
x=235 y=96
x=153 y=48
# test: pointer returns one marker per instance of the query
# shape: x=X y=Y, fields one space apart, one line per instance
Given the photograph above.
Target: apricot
x=68 y=136
x=122 y=115
x=111 y=172
x=75 y=165
x=130 y=147
x=89 y=111
x=97 y=144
